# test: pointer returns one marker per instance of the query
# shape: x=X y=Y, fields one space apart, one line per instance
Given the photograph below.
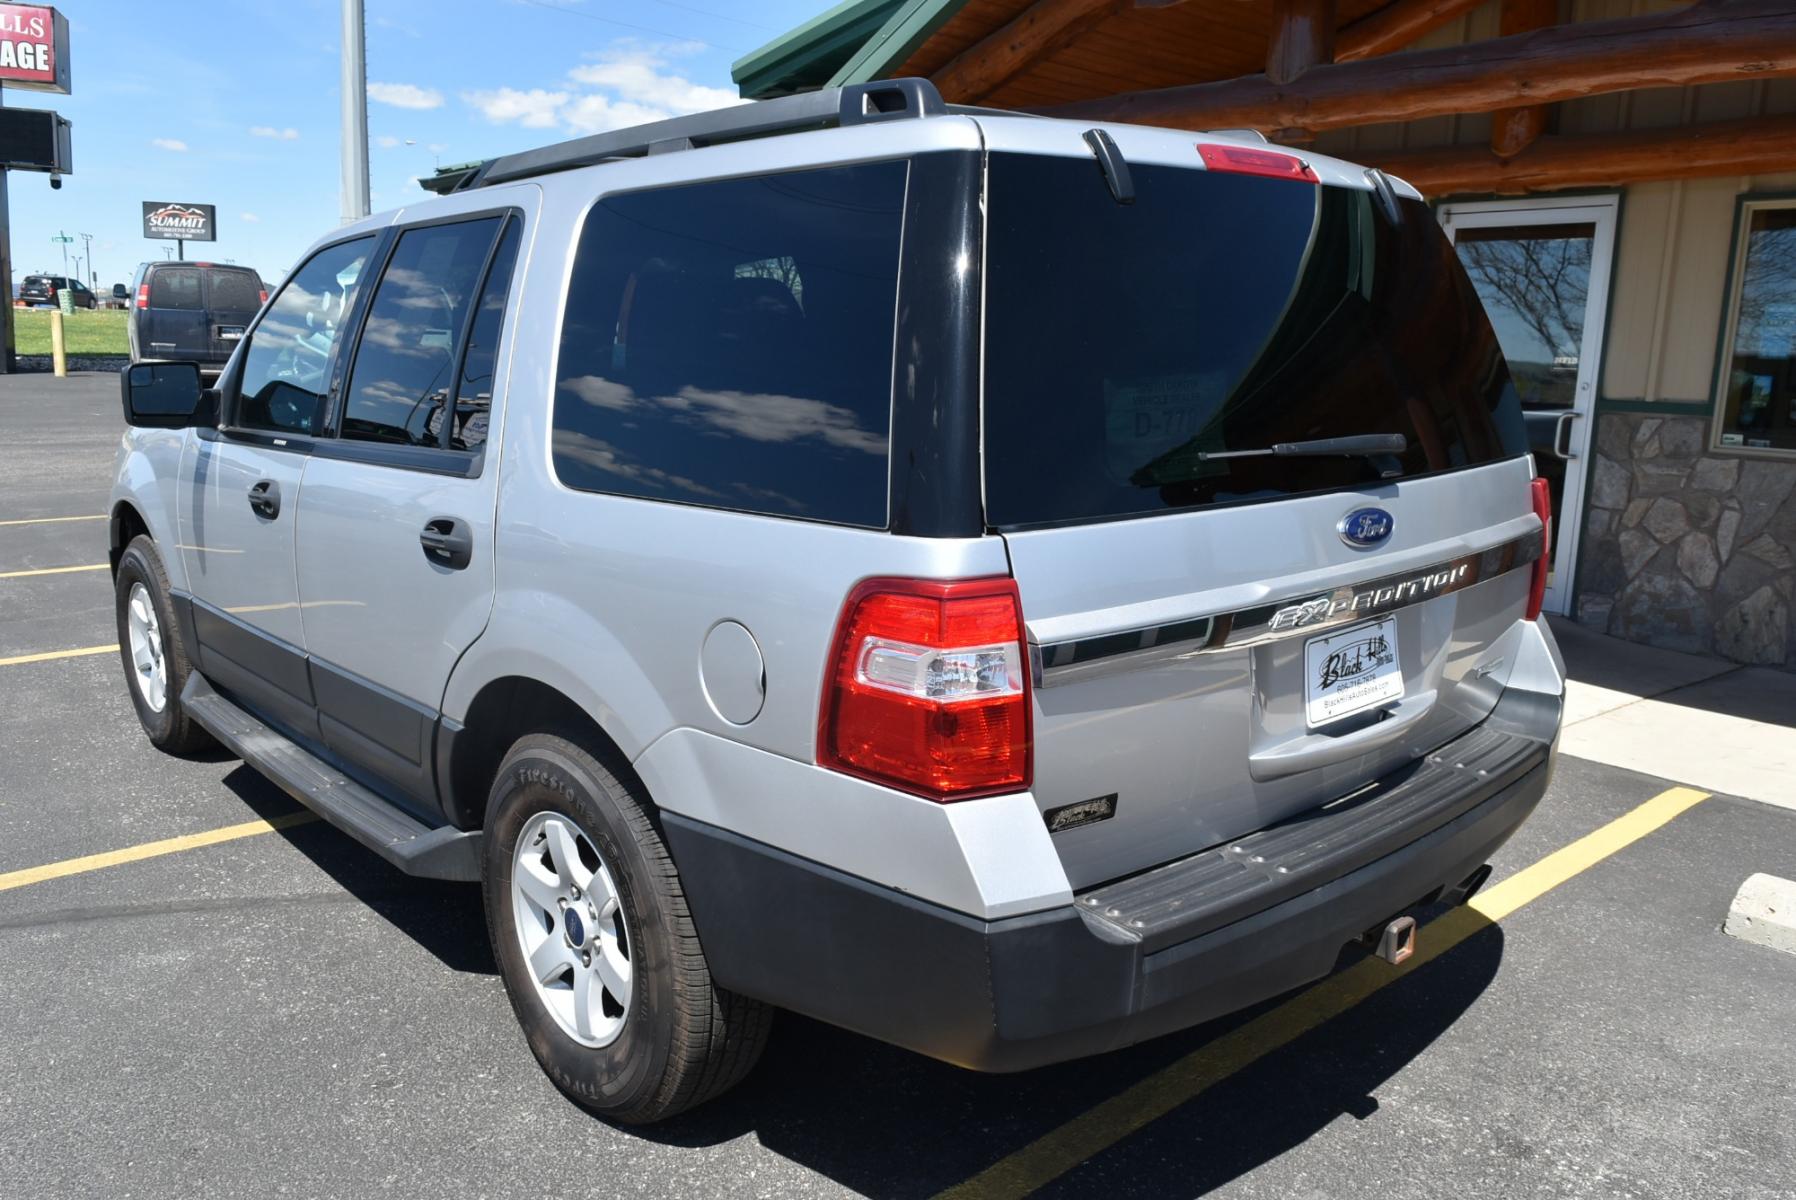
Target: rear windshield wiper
x=1363 y=445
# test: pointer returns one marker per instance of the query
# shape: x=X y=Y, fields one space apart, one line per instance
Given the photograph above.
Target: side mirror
x=161 y=395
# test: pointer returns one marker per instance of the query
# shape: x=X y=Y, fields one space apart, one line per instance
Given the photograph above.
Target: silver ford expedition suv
x=775 y=548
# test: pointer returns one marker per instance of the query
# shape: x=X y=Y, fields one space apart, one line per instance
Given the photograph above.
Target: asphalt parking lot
x=216 y=1007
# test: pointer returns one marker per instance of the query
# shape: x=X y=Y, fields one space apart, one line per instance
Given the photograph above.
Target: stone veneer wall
x=1687 y=549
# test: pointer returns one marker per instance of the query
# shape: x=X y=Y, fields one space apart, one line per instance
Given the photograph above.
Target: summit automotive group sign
x=34 y=48
x=180 y=222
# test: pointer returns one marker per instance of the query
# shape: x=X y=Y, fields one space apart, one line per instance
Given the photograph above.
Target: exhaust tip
x=1466 y=888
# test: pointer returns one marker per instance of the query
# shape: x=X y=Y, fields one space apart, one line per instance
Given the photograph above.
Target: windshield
x=1126 y=344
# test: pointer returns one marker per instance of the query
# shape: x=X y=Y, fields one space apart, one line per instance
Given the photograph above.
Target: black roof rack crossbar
x=855 y=104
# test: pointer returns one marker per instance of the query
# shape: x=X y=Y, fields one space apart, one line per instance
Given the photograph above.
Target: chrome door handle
x=265 y=499
x=1562 y=435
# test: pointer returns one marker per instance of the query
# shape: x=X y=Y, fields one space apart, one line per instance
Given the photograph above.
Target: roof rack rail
x=855 y=104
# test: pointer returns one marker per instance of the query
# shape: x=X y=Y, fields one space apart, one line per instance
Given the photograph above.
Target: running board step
x=440 y=852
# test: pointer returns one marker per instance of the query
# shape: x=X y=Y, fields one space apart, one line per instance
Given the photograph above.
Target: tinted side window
x=474 y=388
x=176 y=287
x=404 y=365
x=286 y=366
x=730 y=344
x=235 y=291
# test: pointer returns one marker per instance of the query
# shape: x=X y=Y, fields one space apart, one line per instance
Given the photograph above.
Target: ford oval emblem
x=1364 y=528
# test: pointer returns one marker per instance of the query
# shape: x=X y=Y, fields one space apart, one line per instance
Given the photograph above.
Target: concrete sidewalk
x=1707 y=722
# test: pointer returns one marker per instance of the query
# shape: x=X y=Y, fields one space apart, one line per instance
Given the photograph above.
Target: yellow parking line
x=49 y=655
x=52 y=520
x=1059 y=1151
x=51 y=571
x=174 y=845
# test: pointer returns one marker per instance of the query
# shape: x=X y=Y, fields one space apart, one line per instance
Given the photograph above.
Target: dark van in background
x=191 y=312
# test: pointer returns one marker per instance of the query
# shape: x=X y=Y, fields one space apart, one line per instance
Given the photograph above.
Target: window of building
x=286 y=365
x=1757 y=377
x=729 y=344
x=404 y=370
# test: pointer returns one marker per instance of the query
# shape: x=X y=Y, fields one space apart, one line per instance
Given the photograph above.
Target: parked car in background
x=43 y=289
x=191 y=311
x=118 y=297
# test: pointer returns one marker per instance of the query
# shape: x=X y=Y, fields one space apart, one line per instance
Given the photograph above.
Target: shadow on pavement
x=444 y=918
x=891 y=1124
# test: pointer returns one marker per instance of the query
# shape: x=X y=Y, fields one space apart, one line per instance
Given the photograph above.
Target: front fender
x=147 y=478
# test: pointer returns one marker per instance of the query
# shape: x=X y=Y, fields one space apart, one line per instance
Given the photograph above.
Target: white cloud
x=386 y=141
x=175 y=144
x=288 y=134
x=534 y=109
x=634 y=75
x=437 y=147
x=628 y=84
x=597 y=113
x=250 y=217
x=405 y=95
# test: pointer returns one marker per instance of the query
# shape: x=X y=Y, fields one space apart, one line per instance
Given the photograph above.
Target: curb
x=1763 y=912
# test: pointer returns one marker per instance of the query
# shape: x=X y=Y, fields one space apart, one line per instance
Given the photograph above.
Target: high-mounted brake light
x=927 y=688
x=1542 y=499
x=1244 y=160
x=143 y=295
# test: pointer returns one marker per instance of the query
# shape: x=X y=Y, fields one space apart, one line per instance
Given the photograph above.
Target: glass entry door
x=1542 y=269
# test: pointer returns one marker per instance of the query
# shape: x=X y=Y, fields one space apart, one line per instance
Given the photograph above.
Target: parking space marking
x=50 y=655
x=52 y=571
x=52 y=520
x=1097 y=1129
x=137 y=853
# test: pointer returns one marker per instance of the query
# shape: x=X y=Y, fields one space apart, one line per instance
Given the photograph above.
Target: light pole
x=354 y=195
x=87 y=243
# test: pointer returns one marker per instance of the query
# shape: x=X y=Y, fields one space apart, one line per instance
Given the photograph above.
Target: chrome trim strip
x=1293 y=616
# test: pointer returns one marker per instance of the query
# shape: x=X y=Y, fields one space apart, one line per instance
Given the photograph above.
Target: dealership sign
x=180 y=222
x=34 y=48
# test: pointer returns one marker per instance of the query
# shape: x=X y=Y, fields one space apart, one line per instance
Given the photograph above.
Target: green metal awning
x=856 y=41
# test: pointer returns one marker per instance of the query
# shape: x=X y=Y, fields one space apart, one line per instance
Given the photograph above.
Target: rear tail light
x=1542 y=499
x=262 y=296
x=927 y=688
x=143 y=295
x=1244 y=160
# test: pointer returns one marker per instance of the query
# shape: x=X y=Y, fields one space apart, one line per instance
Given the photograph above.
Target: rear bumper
x=1189 y=942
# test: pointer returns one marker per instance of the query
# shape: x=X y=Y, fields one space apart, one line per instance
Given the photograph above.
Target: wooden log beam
x=1303 y=36
x=1755 y=146
x=1708 y=43
x=1396 y=25
x=1044 y=28
x=1513 y=130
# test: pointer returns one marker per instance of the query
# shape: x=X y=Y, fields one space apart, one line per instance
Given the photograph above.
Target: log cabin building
x=1618 y=176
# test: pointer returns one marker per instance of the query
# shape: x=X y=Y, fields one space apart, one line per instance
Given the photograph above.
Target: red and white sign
x=34 y=48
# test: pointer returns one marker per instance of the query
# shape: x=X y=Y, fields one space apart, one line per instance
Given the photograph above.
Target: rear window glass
x=176 y=287
x=730 y=344
x=1219 y=312
x=236 y=291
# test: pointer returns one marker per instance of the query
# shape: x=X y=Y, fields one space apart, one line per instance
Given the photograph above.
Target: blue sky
x=236 y=104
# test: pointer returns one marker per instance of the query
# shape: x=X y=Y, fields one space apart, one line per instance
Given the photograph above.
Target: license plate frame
x=1350 y=672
